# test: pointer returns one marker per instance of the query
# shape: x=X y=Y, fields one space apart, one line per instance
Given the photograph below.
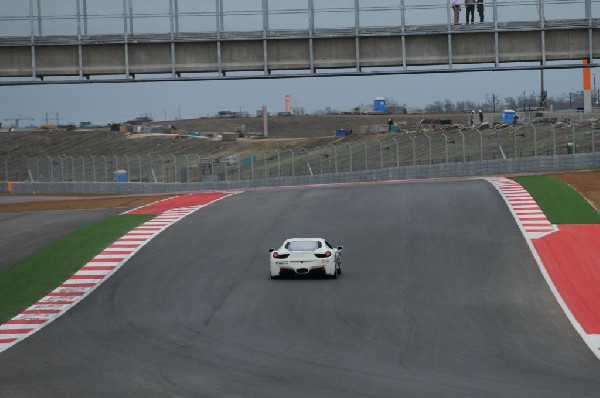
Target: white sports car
x=302 y=256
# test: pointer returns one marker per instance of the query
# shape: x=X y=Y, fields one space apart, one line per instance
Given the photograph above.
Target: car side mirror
x=340 y=247
x=271 y=250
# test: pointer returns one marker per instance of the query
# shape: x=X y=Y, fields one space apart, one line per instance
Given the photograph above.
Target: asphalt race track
x=22 y=234
x=439 y=297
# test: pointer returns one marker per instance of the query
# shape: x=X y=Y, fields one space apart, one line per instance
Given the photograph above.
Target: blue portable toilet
x=248 y=161
x=380 y=105
x=507 y=116
x=120 y=176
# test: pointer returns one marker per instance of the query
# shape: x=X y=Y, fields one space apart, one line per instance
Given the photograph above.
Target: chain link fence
x=474 y=152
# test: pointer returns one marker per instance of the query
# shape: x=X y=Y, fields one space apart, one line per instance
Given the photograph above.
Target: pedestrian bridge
x=282 y=53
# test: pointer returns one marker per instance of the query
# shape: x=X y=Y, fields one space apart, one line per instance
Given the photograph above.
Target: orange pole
x=10 y=186
x=587 y=76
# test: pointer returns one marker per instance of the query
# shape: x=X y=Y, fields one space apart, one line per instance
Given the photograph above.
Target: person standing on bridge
x=470 y=6
x=456 y=10
x=480 y=10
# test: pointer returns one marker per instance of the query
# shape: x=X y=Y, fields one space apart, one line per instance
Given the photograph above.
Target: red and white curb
x=530 y=218
x=525 y=210
x=89 y=277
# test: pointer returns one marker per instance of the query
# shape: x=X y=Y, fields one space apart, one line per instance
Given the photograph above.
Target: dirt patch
x=81 y=203
x=585 y=182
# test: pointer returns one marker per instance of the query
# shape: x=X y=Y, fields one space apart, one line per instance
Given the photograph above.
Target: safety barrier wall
x=459 y=169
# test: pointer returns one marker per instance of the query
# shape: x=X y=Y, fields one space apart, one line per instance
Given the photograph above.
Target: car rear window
x=303 y=245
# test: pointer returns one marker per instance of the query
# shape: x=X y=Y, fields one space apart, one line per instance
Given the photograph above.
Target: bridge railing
x=82 y=17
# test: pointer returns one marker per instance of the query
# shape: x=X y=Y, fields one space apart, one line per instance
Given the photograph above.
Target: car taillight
x=275 y=255
x=323 y=255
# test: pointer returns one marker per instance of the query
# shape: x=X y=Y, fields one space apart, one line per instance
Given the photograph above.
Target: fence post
x=366 y=156
x=397 y=152
x=480 y=145
x=350 y=155
x=82 y=168
x=266 y=174
x=335 y=158
x=105 y=168
x=72 y=168
x=429 y=139
x=445 y=146
x=162 y=169
x=278 y=164
x=293 y=165
x=380 y=154
x=414 y=151
x=175 y=174
x=534 y=141
x=128 y=168
x=554 y=139
x=93 y=168
x=140 y=166
x=320 y=161
x=594 y=145
x=464 y=153
x=37 y=168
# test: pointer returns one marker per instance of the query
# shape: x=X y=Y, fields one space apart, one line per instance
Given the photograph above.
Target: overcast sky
x=103 y=103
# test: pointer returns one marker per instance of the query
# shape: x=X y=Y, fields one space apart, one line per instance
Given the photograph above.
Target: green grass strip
x=37 y=275
x=560 y=203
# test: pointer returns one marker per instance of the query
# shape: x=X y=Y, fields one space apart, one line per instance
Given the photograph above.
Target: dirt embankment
x=585 y=182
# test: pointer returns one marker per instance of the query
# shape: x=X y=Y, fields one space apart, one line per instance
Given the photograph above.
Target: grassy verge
x=34 y=277
x=561 y=203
